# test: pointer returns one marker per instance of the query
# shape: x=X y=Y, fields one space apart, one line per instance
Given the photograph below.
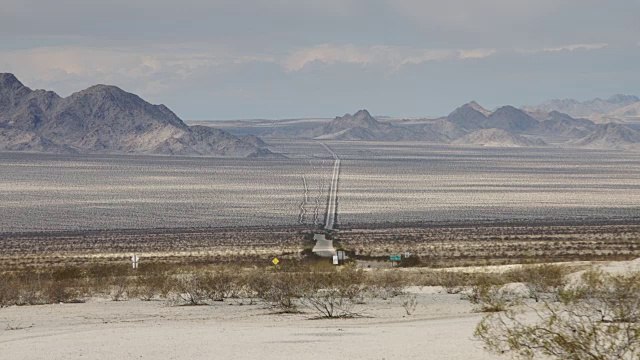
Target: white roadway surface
x=440 y=328
x=333 y=191
x=323 y=246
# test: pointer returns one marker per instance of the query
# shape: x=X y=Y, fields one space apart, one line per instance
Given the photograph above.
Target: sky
x=273 y=59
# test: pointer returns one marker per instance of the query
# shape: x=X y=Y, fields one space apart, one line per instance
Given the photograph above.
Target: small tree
x=597 y=320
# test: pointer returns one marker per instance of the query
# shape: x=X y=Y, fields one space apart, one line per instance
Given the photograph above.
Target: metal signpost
x=341 y=256
x=395 y=258
x=134 y=260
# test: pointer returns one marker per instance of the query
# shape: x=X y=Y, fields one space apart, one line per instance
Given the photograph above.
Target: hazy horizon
x=301 y=59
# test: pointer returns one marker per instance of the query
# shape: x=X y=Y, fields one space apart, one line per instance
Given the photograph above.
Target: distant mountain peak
x=9 y=80
x=103 y=87
x=363 y=112
x=590 y=109
x=362 y=118
x=106 y=90
x=468 y=116
x=364 y=115
x=477 y=107
x=508 y=108
x=611 y=136
x=621 y=98
x=105 y=119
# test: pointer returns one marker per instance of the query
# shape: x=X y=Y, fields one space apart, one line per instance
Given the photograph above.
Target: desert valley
x=118 y=219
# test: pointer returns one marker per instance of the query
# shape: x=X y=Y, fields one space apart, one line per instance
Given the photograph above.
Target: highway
x=332 y=205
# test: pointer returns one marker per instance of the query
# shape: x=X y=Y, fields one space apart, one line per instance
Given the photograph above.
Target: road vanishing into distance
x=323 y=246
x=332 y=206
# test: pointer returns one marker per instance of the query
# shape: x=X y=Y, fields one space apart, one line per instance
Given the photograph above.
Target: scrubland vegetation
x=434 y=247
x=595 y=318
x=532 y=310
x=449 y=246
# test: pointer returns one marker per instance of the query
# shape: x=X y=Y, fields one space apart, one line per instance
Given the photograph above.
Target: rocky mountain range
x=105 y=119
x=611 y=136
x=618 y=108
x=471 y=124
x=497 y=138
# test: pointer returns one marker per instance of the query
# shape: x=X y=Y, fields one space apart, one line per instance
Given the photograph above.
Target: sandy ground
x=440 y=328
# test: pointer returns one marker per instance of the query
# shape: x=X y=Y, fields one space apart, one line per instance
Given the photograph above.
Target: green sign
x=395 y=257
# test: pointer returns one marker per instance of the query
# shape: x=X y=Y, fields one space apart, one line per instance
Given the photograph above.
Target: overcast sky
x=235 y=59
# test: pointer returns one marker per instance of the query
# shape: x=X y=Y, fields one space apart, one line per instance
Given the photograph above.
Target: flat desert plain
x=378 y=183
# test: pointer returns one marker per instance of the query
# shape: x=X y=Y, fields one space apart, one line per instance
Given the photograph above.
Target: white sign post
x=335 y=259
x=134 y=261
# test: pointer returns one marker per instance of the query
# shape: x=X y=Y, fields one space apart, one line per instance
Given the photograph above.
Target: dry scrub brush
x=337 y=294
x=597 y=319
x=489 y=294
x=542 y=281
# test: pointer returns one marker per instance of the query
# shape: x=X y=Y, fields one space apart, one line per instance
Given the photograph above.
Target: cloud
x=382 y=55
x=577 y=47
x=231 y=58
x=151 y=70
x=457 y=24
x=572 y=47
x=135 y=66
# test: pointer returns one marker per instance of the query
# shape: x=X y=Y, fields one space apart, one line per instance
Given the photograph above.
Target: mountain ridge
x=593 y=109
x=104 y=119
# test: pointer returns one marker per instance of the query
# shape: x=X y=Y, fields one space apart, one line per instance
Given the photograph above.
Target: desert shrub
x=490 y=295
x=351 y=282
x=335 y=294
x=616 y=298
x=66 y=284
x=386 y=283
x=119 y=287
x=47 y=286
x=331 y=302
x=283 y=290
x=541 y=281
x=107 y=279
x=218 y=285
x=453 y=282
x=256 y=284
x=597 y=319
x=189 y=289
x=410 y=304
x=31 y=287
x=8 y=290
x=247 y=287
x=412 y=261
x=148 y=286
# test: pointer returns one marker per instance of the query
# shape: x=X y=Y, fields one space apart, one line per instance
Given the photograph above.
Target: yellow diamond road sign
x=275 y=261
